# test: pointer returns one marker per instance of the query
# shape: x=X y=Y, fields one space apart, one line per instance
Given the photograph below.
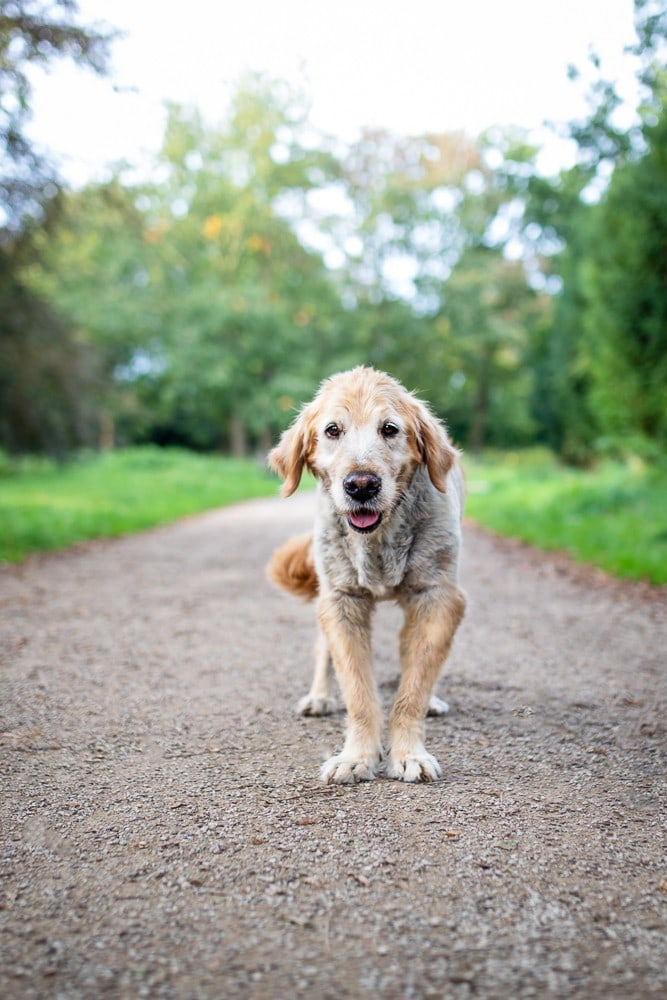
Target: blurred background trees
x=601 y=228
x=49 y=377
x=201 y=307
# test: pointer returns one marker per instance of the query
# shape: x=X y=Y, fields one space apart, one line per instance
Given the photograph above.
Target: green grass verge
x=48 y=506
x=613 y=516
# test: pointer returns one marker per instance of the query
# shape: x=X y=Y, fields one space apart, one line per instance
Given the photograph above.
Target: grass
x=46 y=506
x=613 y=516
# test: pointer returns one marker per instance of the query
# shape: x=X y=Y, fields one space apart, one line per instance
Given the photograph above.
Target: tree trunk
x=265 y=441
x=107 y=431
x=481 y=404
x=239 y=440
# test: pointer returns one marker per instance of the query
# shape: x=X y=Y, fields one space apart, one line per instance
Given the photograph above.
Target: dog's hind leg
x=319 y=700
x=437 y=706
x=431 y=619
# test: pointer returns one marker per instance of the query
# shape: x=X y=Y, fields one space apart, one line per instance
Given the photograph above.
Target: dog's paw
x=415 y=765
x=437 y=706
x=316 y=706
x=349 y=769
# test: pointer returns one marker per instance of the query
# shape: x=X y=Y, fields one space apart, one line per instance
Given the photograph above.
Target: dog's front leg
x=346 y=622
x=431 y=619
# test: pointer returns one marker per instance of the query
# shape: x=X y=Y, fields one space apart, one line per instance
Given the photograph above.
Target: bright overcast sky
x=408 y=65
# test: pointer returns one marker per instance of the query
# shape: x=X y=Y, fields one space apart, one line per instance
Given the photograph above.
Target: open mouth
x=364 y=521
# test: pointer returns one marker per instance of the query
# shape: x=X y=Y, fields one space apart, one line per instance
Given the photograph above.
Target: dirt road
x=164 y=832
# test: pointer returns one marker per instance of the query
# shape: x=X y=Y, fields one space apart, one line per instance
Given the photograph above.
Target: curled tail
x=292 y=567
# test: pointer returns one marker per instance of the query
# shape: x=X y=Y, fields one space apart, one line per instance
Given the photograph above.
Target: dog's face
x=363 y=436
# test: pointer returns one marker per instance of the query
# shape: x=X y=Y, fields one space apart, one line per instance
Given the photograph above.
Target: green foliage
x=209 y=314
x=598 y=230
x=487 y=313
x=34 y=33
x=95 y=265
x=202 y=307
x=47 y=506
x=612 y=516
x=48 y=376
x=624 y=279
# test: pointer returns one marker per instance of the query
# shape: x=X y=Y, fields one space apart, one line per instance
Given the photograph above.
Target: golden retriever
x=388 y=527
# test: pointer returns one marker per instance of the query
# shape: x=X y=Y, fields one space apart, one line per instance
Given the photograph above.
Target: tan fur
x=396 y=540
x=292 y=567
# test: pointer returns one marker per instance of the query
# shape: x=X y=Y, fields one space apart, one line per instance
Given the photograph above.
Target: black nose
x=362 y=486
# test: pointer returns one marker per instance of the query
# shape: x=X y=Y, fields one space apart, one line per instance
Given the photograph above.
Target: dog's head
x=363 y=437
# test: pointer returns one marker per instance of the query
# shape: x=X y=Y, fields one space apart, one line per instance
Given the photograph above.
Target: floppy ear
x=289 y=456
x=436 y=450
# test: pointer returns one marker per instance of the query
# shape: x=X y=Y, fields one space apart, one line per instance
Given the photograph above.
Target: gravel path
x=164 y=832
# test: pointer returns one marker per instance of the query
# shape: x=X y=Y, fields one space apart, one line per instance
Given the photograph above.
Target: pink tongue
x=360 y=519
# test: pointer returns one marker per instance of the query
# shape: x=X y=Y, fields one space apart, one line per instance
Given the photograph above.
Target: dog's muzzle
x=362 y=488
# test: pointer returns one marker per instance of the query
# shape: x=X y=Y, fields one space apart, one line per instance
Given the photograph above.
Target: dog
x=390 y=496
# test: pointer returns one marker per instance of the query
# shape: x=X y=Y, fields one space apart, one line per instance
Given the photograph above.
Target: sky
x=411 y=66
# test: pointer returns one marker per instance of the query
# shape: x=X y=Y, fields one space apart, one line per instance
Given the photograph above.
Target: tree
x=559 y=221
x=208 y=316
x=245 y=308
x=625 y=288
x=598 y=230
x=34 y=33
x=48 y=379
x=442 y=304
x=625 y=275
x=48 y=376
x=97 y=264
x=487 y=317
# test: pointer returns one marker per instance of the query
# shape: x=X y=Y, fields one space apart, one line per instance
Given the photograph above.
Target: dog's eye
x=332 y=431
x=389 y=430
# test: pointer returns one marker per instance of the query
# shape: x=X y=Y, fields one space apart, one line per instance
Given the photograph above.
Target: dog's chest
x=381 y=567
